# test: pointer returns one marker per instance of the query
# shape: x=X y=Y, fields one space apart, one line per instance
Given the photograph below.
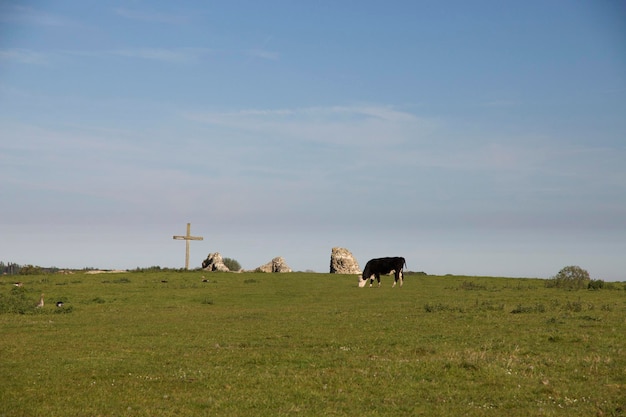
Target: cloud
x=263 y=54
x=96 y=173
x=242 y=164
x=24 y=56
x=358 y=125
x=173 y=55
x=170 y=55
x=502 y=103
x=370 y=146
x=32 y=16
x=148 y=16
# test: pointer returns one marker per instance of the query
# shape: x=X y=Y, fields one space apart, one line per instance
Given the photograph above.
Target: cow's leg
x=378 y=279
x=399 y=276
x=395 y=279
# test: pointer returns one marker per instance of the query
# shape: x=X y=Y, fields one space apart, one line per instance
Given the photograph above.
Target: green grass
x=165 y=343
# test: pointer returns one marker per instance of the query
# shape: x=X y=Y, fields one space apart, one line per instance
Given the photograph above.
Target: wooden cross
x=187 y=238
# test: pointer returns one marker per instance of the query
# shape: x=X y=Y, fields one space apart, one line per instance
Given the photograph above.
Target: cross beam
x=187 y=238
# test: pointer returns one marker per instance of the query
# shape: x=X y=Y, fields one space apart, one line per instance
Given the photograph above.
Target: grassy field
x=166 y=343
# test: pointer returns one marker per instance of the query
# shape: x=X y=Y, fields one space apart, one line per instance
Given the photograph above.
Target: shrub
x=537 y=308
x=154 y=268
x=575 y=306
x=232 y=264
x=595 y=284
x=16 y=301
x=469 y=285
x=433 y=308
x=570 y=277
x=31 y=270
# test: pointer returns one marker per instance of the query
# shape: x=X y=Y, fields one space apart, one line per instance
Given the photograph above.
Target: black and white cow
x=377 y=266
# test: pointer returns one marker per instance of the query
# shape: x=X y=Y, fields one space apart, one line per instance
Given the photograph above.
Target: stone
x=342 y=262
x=277 y=264
x=214 y=262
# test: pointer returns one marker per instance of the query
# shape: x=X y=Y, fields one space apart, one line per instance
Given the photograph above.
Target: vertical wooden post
x=187 y=238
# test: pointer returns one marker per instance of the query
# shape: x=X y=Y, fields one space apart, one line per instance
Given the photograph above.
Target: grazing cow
x=377 y=266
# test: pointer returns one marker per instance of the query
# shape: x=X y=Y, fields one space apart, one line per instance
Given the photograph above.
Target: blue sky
x=478 y=138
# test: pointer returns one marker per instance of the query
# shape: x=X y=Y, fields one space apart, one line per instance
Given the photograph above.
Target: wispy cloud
x=32 y=16
x=263 y=54
x=151 y=16
x=521 y=167
x=163 y=54
x=501 y=103
x=358 y=125
x=24 y=56
x=65 y=151
x=171 y=55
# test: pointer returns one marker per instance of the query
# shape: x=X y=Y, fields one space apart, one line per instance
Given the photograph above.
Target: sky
x=472 y=138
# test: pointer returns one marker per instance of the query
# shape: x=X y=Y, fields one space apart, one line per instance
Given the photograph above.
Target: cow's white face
x=362 y=282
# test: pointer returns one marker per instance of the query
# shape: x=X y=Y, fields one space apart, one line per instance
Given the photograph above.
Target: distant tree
x=595 y=284
x=31 y=270
x=570 y=277
x=232 y=264
x=422 y=273
x=9 y=268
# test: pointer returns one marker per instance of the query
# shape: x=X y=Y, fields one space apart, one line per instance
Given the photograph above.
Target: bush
x=595 y=284
x=31 y=270
x=570 y=277
x=232 y=264
x=16 y=301
x=537 y=308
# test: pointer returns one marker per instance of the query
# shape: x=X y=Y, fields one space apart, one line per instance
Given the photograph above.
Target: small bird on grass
x=40 y=304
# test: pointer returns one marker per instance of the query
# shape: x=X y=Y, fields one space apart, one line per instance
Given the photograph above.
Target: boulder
x=277 y=264
x=342 y=262
x=214 y=262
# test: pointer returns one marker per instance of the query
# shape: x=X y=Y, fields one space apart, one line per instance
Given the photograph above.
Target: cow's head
x=362 y=282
